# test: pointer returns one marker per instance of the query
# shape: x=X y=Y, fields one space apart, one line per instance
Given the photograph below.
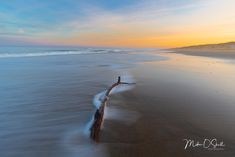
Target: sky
x=117 y=23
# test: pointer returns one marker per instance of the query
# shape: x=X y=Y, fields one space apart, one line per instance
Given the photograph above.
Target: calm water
x=46 y=96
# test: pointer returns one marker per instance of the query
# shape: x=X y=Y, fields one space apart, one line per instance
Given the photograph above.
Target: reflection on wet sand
x=185 y=97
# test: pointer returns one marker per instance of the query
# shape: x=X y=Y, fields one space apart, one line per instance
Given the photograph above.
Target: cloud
x=21 y=31
x=150 y=23
x=145 y=21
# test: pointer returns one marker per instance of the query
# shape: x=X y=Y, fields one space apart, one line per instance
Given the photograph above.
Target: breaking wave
x=61 y=52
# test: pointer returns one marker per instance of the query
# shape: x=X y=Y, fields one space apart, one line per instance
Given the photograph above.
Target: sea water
x=48 y=94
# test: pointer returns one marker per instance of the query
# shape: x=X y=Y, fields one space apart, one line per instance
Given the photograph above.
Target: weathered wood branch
x=98 y=117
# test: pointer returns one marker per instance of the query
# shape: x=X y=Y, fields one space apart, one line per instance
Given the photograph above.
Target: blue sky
x=107 y=22
x=46 y=14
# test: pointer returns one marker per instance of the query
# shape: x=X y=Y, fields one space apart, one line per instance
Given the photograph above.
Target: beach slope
x=222 y=50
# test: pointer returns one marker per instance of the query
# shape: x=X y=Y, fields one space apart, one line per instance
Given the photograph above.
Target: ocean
x=49 y=95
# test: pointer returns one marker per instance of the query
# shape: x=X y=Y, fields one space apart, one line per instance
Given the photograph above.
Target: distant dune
x=224 y=50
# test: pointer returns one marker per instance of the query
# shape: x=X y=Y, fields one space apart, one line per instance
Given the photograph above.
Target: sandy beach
x=222 y=50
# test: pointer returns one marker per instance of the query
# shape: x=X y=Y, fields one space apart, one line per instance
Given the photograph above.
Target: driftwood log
x=99 y=113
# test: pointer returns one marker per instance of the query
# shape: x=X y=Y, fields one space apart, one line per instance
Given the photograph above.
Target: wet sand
x=185 y=97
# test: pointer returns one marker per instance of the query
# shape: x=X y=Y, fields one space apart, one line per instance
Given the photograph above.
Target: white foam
x=124 y=87
x=98 y=98
x=52 y=53
x=78 y=142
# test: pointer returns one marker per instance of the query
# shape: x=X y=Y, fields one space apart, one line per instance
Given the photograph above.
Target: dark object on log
x=98 y=117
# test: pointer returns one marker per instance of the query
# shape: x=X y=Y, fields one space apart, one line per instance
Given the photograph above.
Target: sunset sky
x=115 y=23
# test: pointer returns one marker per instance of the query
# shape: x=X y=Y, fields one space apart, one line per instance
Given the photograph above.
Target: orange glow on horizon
x=170 y=41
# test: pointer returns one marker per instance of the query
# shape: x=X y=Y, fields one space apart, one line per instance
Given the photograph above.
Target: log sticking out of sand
x=98 y=117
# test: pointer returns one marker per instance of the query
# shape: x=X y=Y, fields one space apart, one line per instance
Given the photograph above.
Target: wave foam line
x=56 y=53
x=99 y=98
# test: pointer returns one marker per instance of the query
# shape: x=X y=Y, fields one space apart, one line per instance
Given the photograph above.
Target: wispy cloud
x=152 y=23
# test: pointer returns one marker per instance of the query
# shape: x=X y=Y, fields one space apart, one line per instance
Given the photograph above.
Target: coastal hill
x=224 y=50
